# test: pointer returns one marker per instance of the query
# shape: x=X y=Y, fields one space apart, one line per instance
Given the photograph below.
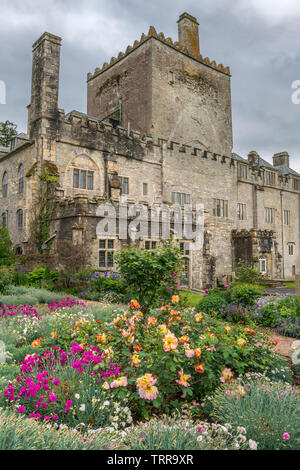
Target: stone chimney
x=281 y=158
x=45 y=80
x=253 y=158
x=188 y=33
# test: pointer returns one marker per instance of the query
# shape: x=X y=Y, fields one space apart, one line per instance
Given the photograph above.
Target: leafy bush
x=212 y=302
x=245 y=294
x=20 y=433
x=247 y=274
x=150 y=275
x=40 y=274
x=6 y=278
x=7 y=257
x=11 y=300
x=269 y=411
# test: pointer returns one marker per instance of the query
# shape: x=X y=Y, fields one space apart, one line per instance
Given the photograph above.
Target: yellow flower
x=183 y=339
x=119 y=382
x=227 y=329
x=135 y=360
x=175 y=299
x=106 y=386
x=198 y=317
x=170 y=342
x=109 y=351
x=146 y=380
x=183 y=379
x=241 y=342
x=134 y=304
x=53 y=334
x=36 y=343
x=152 y=321
x=198 y=353
x=101 y=338
x=163 y=329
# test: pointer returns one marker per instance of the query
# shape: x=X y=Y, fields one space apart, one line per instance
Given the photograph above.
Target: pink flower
x=21 y=409
x=52 y=396
x=55 y=417
x=56 y=382
x=227 y=392
x=286 y=436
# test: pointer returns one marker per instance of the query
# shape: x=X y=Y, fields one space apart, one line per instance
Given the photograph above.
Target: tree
x=8 y=130
x=7 y=256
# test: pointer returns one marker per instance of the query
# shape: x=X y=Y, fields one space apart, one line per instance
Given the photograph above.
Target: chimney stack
x=281 y=158
x=45 y=79
x=188 y=33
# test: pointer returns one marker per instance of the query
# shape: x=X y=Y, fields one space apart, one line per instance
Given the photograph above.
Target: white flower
x=242 y=437
x=106 y=403
x=252 y=445
x=242 y=430
x=199 y=438
x=82 y=407
x=77 y=396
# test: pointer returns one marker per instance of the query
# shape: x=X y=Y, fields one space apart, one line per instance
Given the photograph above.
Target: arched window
x=4 y=184
x=20 y=220
x=263 y=266
x=19 y=250
x=21 y=178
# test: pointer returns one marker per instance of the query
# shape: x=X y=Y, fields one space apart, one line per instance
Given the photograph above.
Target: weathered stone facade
x=158 y=115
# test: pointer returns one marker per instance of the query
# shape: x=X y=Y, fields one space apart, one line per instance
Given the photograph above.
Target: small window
x=83 y=179
x=20 y=218
x=269 y=215
x=296 y=184
x=286 y=217
x=180 y=198
x=4 y=219
x=106 y=253
x=75 y=178
x=270 y=178
x=4 y=184
x=145 y=189
x=291 y=247
x=185 y=277
x=242 y=171
x=184 y=248
x=220 y=208
x=263 y=265
x=124 y=184
x=150 y=245
x=21 y=178
x=242 y=211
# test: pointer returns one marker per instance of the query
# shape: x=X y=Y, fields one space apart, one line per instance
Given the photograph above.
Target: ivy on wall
x=49 y=179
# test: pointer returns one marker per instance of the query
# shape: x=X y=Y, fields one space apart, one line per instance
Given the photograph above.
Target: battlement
x=152 y=33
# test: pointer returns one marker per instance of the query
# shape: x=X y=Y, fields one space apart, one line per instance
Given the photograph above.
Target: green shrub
x=20 y=433
x=269 y=411
x=247 y=274
x=40 y=274
x=150 y=275
x=212 y=302
x=20 y=278
x=7 y=257
x=6 y=278
x=245 y=294
x=11 y=300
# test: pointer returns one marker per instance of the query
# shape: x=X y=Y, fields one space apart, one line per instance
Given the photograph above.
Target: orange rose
x=199 y=368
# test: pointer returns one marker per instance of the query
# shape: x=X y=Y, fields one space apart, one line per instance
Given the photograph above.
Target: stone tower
x=167 y=89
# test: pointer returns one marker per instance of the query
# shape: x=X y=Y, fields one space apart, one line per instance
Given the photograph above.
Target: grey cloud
x=256 y=38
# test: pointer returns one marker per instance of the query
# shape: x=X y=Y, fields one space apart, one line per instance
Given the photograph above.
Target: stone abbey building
x=158 y=129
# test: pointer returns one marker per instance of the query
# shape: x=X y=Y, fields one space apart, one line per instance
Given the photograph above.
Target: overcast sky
x=259 y=39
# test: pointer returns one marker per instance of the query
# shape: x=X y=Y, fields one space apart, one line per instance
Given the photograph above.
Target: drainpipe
x=282 y=233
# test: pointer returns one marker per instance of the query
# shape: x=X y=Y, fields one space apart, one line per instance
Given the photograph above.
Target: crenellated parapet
x=152 y=33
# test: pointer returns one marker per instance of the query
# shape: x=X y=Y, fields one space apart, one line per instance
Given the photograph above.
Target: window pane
x=154 y=245
x=218 y=208
x=125 y=186
x=226 y=208
x=147 y=245
x=110 y=244
x=214 y=207
x=173 y=197
x=110 y=259
x=178 y=198
x=188 y=198
x=75 y=178
x=102 y=244
x=90 y=180
x=145 y=189
x=182 y=247
x=83 y=179
x=102 y=259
